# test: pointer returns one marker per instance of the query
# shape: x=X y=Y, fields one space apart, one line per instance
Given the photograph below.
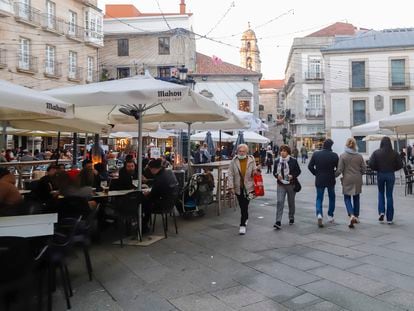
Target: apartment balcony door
x=24 y=55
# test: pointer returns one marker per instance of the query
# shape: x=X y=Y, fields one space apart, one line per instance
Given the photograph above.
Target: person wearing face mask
x=240 y=181
x=286 y=170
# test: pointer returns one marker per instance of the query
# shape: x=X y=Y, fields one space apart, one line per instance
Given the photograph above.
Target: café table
x=24 y=192
x=219 y=165
x=28 y=225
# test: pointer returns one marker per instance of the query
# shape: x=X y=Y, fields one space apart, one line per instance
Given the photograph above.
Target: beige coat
x=351 y=166
x=234 y=175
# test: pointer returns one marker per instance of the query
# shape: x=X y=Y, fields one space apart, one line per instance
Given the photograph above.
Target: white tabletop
x=28 y=225
x=113 y=193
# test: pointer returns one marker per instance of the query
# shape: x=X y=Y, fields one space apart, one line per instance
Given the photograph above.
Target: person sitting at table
x=164 y=189
x=88 y=176
x=46 y=185
x=9 y=194
x=126 y=177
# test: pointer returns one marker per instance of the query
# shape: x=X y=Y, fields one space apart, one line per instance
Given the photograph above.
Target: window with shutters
x=89 y=69
x=51 y=14
x=359 y=112
x=24 y=54
x=73 y=22
x=398 y=105
x=123 y=47
x=73 y=63
x=358 y=75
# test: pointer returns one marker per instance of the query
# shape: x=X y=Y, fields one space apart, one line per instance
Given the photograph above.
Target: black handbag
x=297 y=186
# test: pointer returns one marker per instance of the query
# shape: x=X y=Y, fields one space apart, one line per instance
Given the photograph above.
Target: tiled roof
x=272 y=84
x=337 y=29
x=129 y=10
x=391 y=38
x=206 y=65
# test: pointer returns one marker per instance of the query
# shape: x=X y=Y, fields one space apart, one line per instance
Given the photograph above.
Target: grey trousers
x=282 y=191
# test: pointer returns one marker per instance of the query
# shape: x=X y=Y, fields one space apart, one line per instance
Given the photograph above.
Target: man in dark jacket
x=323 y=165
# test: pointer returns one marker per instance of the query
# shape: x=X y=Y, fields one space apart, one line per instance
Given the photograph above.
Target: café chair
x=19 y=272
x=164 y=208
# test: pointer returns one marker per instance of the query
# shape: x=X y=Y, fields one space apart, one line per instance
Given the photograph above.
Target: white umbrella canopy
x=215 y=135
x=369 y=129
x=252 y=137
x=402 y=123
x=165 y=102
x=392 y=137
x=255 y=124
x=120 y=135
x=21 y=103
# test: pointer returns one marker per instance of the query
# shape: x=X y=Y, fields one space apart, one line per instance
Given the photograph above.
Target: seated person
x=88 y=176
x=126 y=176
x=9 y=194
x=46 y=185
x=164 y=190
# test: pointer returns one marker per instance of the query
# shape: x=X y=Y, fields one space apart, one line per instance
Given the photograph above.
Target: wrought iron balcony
x=26 y=14
x=27 y=63
x=313 y=75
x=75 y=74
x=75 y=32
x=53 y=24
x=6 y=8
x=314 y=113
x=53 y=69
x=3 y=58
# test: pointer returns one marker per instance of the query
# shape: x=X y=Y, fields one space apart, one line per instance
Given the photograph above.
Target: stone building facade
x=49 y=44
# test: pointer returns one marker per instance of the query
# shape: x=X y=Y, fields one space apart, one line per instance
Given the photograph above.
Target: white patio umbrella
x=215 y=135
x=402 y=123
x=369 y=129
x=252 y=137
x=139 y=99
x=21 y=103
x=120 y=135
x=255 y=124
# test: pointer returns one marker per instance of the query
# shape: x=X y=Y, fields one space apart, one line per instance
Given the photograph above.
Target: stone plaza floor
x=208 y=266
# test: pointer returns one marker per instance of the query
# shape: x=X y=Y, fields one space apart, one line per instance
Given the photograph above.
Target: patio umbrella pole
x=3 y=143
x=58 y=148
x=189 y=151
x=75 y=149
x=219 y=145
x=139 y=159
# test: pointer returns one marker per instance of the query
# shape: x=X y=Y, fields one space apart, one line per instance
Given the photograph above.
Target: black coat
x=385 y=161
x=323 y=165
x=294 y=168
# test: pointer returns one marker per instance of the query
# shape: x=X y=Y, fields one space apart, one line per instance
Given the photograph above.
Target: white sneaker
x=242 y=230
x=320 y=221
x=331 y=219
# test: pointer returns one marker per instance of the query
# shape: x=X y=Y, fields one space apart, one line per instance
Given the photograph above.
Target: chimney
x=182 y=7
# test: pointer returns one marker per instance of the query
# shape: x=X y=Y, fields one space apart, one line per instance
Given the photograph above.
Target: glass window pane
x=358 y=112
x=398 y=72
x=362 y=145
x=398 y=105
x=358 y=74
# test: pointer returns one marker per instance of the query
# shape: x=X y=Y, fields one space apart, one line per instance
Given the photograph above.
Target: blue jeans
x=319 y=200
x=386 y=187
x=352 y=210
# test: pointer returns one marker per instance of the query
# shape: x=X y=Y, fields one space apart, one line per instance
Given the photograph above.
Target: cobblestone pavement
x=208 y=266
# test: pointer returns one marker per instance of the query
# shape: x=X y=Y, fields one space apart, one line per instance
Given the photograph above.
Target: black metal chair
x=409 y=180
x=164 y=208
x=18 y=273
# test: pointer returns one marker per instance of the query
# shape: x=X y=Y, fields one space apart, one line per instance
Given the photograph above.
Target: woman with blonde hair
x=351 y=166
x=240 y=181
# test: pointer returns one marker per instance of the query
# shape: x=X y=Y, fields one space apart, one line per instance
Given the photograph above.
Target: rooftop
x=272 y=84
x=337 y=29
x=206 y=65
x=129 y=10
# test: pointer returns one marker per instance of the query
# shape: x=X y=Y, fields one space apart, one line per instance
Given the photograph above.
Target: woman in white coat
x=240 y=181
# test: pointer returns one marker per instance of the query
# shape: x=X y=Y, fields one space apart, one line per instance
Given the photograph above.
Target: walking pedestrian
x=323 y=165
x=385 y=161
x=304 y=153
x=240 y=181
x=286 y=171
x=269 y=159
x=351 y=166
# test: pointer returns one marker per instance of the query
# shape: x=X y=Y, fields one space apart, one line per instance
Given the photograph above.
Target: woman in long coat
x=351 y=166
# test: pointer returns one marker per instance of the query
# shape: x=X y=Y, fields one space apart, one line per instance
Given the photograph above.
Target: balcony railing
x=75 y=74
x=404 y=82
x=6 y=8
x=93 y=38
x=27 y=14
x=314 y=113
x=53 y=69
x=313 y=75
x=53 y=24
x=92 y=77
x=75 y=32
x=3 y=58
x=27 y=63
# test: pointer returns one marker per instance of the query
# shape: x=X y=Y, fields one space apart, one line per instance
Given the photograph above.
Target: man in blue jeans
x=323 y=165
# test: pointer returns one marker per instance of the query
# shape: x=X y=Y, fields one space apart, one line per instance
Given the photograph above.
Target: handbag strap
x=241 y=177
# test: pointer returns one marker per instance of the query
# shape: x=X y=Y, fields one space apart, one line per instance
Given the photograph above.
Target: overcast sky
x=276 y=23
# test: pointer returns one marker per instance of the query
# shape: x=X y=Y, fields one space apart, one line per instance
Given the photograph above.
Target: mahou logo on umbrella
x=170 y=95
